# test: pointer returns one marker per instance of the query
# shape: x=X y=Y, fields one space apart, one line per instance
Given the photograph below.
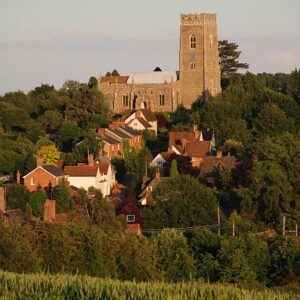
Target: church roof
x=152 y=77
x=114 y=79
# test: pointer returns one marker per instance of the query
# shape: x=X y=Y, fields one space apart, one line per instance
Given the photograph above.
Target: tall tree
x=174 y=171
x=229 y=60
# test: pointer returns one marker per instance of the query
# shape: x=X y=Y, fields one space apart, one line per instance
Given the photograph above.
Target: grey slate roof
x=55 y=171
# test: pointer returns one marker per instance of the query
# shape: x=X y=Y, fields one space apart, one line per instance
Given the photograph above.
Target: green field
x=41 y=286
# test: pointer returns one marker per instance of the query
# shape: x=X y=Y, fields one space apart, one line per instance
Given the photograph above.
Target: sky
x=51 y=41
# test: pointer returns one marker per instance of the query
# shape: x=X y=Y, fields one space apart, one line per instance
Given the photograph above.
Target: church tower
x=198 y=58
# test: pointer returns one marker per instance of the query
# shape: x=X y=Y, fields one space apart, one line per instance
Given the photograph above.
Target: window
x=32 y=181
x=125 y=100
x=135 y=124
x=193 y=42
x=130 y=218
x=193 y=65
x=210 y=41
x=161 y=100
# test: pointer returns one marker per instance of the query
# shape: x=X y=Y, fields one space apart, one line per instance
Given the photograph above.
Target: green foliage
x=68 y=135
x=17 y=197
x=115 y=73
x=37 y=202
x=173 y=170
x=293 y=87
x=229 y=59
x=93 y=82
x=181 y=202
x=175 y=260
x=63 y=197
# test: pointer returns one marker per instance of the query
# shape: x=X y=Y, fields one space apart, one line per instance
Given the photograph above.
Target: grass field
x=42 y=286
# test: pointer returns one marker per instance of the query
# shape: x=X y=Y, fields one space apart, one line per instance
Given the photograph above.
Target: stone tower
x=198 y=57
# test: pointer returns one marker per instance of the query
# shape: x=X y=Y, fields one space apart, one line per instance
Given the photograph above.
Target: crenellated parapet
x=198 y=19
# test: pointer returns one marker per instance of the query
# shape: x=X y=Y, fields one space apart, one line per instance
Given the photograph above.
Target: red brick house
x=43 y=177
x=115 y=135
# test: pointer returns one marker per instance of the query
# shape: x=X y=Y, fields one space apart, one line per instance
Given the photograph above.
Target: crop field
x=43 y=286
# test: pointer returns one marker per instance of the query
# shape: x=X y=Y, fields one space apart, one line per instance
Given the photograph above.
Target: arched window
x=193 y=41
x=125 y=100
x=161 y=100
x=193 y=65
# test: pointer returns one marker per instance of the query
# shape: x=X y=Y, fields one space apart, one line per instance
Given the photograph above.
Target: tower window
x=210 y=41
x=193 y=65
x=161 y=100
x=193 y=42
x=125 y=100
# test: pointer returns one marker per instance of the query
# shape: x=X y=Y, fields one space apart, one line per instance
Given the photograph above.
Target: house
x=43 y=177
x=188 y=143
x=99 y=174
x=141 y=119
x=212 y=166
x=130 y=208
x=160 y=159
x=148 y=186
x=114 y=136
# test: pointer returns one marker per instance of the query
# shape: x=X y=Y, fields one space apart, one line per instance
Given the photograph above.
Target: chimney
x=18 y=177
x=138 y=113
x=2 y=198
x=157 y=174
x=91 y=159
x=183 y=143
x=195 y=127
x=219 y=153
x=101 y=131
x=39 y=161
x=49 y=210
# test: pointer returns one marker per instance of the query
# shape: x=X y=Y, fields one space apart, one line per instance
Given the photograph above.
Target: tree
x=229 y=62
x=115 y=73
x=49 y=154
x=174 y=171
x=175 y=260
x=17 y=197
x=108 y=74
x=68 y=135
x=63 y=197
x=293 y=87
x=93 y=82
x=181 y=202
x=37 y=202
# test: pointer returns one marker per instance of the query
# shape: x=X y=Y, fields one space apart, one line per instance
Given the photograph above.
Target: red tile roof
x=176 y=137
x=81 y=170
x=114 y=79
x=197 y=149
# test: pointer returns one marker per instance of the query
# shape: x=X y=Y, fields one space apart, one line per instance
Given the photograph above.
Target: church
x=159 y=91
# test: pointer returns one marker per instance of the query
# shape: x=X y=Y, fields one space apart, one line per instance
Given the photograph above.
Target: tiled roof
x=142 y=121
x=212 y=163
x=114 y=79
x=152 y=77
x=81 y=170
x=153 y=183
x=119 y=133
x=129 y=130
x=175 y=137
x=149 y=115
x=110 y=140
x=55 y=171
x=197 y=149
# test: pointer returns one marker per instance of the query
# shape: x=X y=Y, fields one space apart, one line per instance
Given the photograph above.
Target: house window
x=130 y=218
x=32 y=181
x=193 y=65
x=193 y=42
x=135 y=123
x=125 y=100
x=161 y=100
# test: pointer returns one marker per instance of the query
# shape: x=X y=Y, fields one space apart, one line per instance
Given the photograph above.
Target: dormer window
x=193 y=42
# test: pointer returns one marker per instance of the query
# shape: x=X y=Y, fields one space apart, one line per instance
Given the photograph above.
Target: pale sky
x=51 y=41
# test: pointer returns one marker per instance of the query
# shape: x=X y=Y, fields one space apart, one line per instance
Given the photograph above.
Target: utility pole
x=283 y=224
x=296 y=230
x=233 y=228
x=218 y=216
